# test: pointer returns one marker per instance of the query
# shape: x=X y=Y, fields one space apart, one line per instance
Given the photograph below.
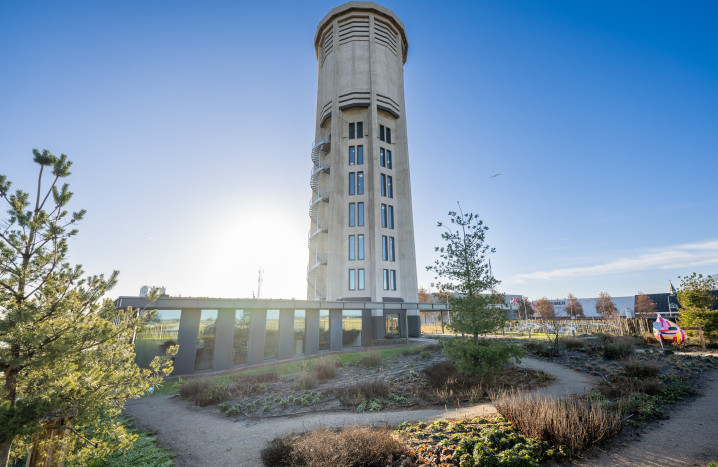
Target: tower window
x=360 y=183
x=388 y=135
x=384 y=248
x=391 y=249
x=382 y=157
x=352 y=157
x=351 y=131
x=392 y=279
x=352 y=247
x=361 y=279
x=352 y=279
x=381 y=132
x=360 y=155
x=389 y=189
x=352 y=183
x=390 y=217
x=388 y=159
x=352 y=214
x=360 y=214
x=383 y=185
x=360 y=246
x=360 y=129
x=383 y=215
x=386 y=279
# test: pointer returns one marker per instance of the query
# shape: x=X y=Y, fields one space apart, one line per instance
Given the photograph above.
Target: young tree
x=574 y=309
x=696 y=298
x=463 y=270
x=65 y=354
x=644 y=306
x=424 y=295
x=544 y=308
x=525 y=309
x=605 y=306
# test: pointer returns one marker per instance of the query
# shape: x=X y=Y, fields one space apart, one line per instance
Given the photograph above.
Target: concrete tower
x=361 y=239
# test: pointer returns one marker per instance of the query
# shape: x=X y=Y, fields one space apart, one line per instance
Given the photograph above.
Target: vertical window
x=360 y=155
x=381 y=132
x=391 y=249
x=388 y=135
x=360 y=214
x=352 y=279
x=351 y=155
x=360 y=183
x=388 y=159
x=382 y=157
x=352 y=214
x=352 y=247
x=360 y=246
x=361 y=279
x=383 y=185
x=360 y=129
x=352 y=182
x=392 y=279
x=390 y=217
x=383 y=215
x=389 y=187
x=386 y=279
x=383 y=248
x=351 y=131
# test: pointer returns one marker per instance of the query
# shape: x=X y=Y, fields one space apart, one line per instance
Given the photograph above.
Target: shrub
x=425 y=355
x=544 y=349
x=324 y=368
x=640 y=369
x=621 y=386
x=278 y=451
x=371 y=360
x=568 y=422
x=189 y=388
x=483 y=358
x=306 y=381
x=247 y=385
x=408 y=352
x=573 y=343
x=707 y=319
x=617 y=350
x=214 y=394
x=362 y=392
x=444 y=375
x=353 y=446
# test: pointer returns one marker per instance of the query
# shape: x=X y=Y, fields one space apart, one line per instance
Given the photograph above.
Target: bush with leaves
x=484 y=358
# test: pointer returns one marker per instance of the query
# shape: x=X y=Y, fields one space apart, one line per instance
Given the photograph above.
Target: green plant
x=370 y=405
x=143 y=451
x=425 y=355
x=362 y=392
x=483 y=358
x=396 y=398
x=251 y=407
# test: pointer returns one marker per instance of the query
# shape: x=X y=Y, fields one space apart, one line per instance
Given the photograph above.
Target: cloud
x=678 y=256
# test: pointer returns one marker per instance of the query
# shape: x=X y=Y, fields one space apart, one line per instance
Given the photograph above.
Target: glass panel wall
x=323 y=329
x=157 y=336
x=299 y=328
x=271 y=338
x=351 y=328
x=241 y=337
x=392 y=324
x=205 y=340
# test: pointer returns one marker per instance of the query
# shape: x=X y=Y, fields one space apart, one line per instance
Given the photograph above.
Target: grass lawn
x=290 y=368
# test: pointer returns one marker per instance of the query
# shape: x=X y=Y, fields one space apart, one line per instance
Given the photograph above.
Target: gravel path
x=204 y=437
x=688 y=438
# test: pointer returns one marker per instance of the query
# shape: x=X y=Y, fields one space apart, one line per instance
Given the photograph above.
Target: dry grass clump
x=617 y=350
x=247 y=385
x=203 y=392
x=362 y=391
x=324 y=368
x=573 y=343
x=306 y=381
x=352 y=446
x=536 y=347
x=639 y=369
x=444 y=375
x=621 y=386
x=189 y=388
x=371 y=360
x=568 y=422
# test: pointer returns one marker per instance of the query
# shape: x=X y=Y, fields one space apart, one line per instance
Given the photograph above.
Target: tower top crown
x=362 y=7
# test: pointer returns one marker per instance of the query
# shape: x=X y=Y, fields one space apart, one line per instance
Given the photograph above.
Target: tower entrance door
x=392 y=324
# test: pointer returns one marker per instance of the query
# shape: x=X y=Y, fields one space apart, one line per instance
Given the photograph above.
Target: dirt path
x=203 y=437
x=689 y=437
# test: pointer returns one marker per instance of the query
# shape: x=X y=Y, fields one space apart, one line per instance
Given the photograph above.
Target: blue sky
x=190 y=125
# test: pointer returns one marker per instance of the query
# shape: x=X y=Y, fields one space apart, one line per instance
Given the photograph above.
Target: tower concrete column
x=311 y=332
x=286 y=334
x=187 y=341
x=257 y=332
x=335 y=330
x=224 y=339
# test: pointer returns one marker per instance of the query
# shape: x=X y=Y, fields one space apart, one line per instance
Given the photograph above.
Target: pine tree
x=65 y=353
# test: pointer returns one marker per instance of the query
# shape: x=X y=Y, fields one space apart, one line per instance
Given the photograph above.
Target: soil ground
x=198 y=436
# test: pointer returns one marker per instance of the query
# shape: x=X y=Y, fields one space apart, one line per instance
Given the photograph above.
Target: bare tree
x=605 y=306
x=574 y=309
x=544 y=308
x=644 y=306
